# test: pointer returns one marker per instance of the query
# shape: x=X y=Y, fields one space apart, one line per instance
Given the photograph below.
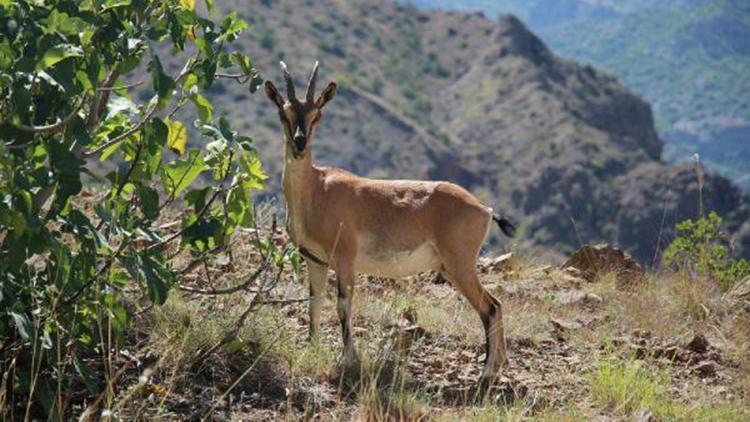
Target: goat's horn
x=289 y=82
x=311 y=83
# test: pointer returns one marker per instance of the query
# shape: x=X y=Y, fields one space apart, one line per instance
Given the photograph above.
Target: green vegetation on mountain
x=688 y=58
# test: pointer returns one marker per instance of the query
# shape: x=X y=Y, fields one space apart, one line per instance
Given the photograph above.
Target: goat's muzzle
x=299 y=142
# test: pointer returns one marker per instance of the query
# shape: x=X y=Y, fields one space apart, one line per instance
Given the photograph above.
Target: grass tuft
x=627 y=387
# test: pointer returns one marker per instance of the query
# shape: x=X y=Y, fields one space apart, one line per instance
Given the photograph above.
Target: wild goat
x=388 y=228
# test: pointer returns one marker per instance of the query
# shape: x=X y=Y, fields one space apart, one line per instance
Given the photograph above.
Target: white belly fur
x=397 y=264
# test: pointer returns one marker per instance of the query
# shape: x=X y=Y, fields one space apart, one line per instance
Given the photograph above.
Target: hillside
x=456 y=96
x=689 y=58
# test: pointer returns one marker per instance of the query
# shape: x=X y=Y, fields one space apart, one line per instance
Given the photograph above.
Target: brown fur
x=389 y=228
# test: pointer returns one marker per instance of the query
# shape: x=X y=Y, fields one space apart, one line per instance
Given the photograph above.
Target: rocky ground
x=577 y=349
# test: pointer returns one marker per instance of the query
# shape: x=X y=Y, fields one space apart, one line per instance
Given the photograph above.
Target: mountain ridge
x=485 y=104
x=689 y=58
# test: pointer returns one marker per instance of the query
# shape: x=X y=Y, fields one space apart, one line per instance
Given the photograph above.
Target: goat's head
x=299 y=117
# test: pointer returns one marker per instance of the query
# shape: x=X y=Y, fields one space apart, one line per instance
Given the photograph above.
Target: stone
x=698 y=344
x=706 y=368
x=593 y=262
x=574 y=297
x=561 y=324
x=505 y=263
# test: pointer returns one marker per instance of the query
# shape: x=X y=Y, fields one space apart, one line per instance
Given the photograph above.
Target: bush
x=702 y=247
x=66 y=107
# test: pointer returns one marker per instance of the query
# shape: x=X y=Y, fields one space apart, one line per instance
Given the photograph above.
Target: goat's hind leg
x=490 y=312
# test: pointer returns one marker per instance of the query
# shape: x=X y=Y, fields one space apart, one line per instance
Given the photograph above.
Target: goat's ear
x=327 y=95
x=273 y=94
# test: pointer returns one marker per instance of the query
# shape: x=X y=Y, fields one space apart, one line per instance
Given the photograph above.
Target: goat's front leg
x=318 y=275
x=345 y=283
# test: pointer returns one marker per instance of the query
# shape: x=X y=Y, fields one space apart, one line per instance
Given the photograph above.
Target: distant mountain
x=689 y=58
x=570 y=153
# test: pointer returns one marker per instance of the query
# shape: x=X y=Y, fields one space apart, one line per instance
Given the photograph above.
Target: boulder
x=505 y=263
x=593 y=262
x=699 y=344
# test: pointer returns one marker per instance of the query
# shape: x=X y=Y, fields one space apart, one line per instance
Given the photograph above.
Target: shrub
x=702 y=247
x=66 y=106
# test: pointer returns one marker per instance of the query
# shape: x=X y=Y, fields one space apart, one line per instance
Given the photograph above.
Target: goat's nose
x=299 y=138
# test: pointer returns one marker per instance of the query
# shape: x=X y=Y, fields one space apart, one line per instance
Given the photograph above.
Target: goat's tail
x=505 y=225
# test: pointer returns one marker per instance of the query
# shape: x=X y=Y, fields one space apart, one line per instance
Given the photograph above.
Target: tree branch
x=240 y=78
x=101 y=99
x=229 y=290
x=52 y=128
x=123 y=136
x=117 y=88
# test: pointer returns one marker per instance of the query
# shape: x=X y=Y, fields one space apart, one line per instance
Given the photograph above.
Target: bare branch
x=240 y=78
x=282 y=301
x=229 y=290
x=117 y=88
x=102 y=97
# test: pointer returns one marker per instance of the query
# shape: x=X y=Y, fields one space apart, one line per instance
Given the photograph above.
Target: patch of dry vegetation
x=578 y=350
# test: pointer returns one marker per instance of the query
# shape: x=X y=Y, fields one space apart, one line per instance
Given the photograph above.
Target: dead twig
x=240 y=78
x=117 y=88
x=282 y=301
x=229 y=290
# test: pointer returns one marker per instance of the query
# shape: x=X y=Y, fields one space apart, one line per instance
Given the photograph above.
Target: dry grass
x=271 y=371
x=629 y=387
x=665 y=304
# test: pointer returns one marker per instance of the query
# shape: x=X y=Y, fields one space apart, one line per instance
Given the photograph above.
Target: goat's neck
x=299 y=183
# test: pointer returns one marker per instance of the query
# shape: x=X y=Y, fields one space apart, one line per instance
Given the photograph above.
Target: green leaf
x=23 y=325
x=177 y=139
x=197 y=198
x=163 y=83
x=179 y=174
x=189 y=81
x=203 y=106
x=243 y=61
x=255 y=82
x=58 y=53
x=204 y=233
x=226 y=130
x=188 y=5
x=88 y=375
x=239 y=207
x=231 y=26
x=19 y=224
x=158 y=280
x=113 y=4
x=254 y=174
x=148 y=201
x=155 y=136
x=7 y=55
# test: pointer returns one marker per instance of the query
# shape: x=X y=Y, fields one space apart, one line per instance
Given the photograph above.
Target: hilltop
x=483 y=103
